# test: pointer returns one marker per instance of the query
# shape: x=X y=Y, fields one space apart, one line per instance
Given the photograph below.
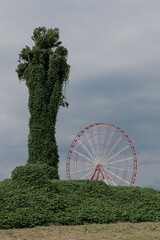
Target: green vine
x=45 y=71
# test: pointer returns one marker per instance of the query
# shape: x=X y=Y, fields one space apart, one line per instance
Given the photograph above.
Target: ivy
x=45 y=70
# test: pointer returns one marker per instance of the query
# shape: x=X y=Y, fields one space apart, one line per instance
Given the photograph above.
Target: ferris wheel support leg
x=97 y=172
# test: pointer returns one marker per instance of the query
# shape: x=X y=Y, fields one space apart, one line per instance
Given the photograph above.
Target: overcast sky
x=114 y=53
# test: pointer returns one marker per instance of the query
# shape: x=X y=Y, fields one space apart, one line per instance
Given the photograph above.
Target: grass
x=122 y=231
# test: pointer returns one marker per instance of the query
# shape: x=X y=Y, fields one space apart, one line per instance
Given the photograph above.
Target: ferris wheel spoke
x=108 y=142
x=82 y=155
x=109 y=178
x=114 y=146
x=96 y=141
x=82 y=170
x=122 y=169
x=116 y=176
x=86 y=175
x=90 y=143
x=89 y=163
x=121 y=160
x=102 y=140
x=122 y=150
x=85 y=148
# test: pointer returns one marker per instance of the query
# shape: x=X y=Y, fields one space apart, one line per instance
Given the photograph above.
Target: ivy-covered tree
x=45 y=71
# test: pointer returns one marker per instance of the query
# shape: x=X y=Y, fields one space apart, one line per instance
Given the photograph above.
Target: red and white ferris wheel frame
x=98 y=171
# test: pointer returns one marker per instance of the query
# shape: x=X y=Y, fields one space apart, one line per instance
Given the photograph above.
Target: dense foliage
x=34 y=174
x=31 y=202
x=45 y=71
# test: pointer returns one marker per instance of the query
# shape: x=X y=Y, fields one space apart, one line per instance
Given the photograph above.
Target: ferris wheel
x=102 y=151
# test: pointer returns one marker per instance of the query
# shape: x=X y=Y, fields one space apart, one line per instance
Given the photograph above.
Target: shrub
x=28 y=201
x=36 y=175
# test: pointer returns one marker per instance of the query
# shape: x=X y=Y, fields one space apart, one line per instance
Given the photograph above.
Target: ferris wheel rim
x=130 y=146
